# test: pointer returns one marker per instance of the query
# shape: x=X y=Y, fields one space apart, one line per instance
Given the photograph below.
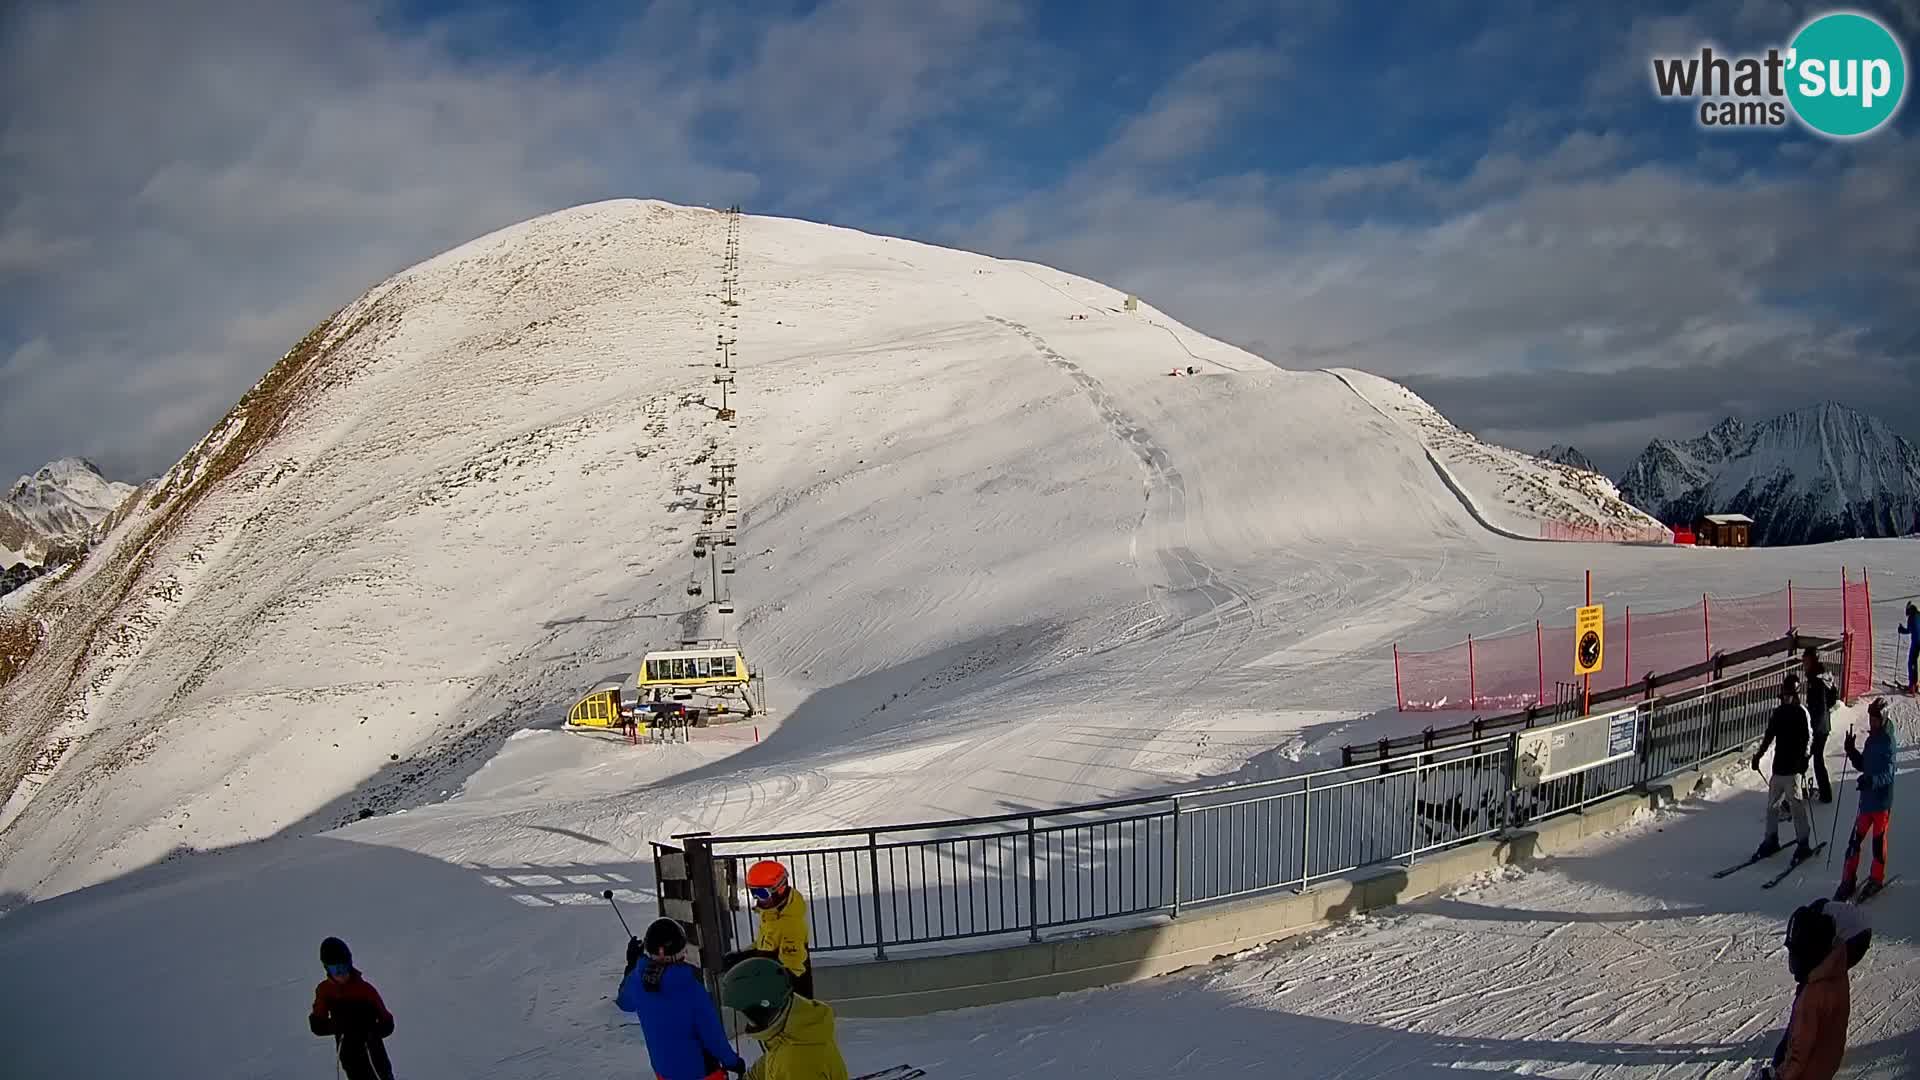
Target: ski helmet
x=758 y=989
x=334 y=953
x=766 y=882
x=665 y=936
x=1810 y=937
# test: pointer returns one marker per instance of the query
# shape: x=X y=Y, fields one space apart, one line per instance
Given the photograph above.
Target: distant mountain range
x=54 y=512
x=1825 y=472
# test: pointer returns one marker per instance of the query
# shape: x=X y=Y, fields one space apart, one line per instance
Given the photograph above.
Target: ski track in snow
x=992 y=558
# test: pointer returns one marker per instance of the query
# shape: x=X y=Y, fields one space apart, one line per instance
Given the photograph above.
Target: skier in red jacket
x=347 y=1007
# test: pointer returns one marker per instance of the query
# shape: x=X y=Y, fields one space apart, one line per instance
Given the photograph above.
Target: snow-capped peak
x=1821 y=472
x=57 y=506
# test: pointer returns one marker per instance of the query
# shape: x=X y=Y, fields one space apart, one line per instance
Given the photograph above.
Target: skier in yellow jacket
x=783 y=925
x=795 y=1032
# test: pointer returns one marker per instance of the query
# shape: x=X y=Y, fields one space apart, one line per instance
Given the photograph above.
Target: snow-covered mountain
x=1824 y=472
x=56 y=509
x=971 y=489
x=1569 y=456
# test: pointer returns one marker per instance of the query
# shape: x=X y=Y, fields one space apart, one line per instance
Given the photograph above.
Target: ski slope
x=992 y=556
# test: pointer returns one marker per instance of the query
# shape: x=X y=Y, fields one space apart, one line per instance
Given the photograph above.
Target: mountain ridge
x=1822 y=472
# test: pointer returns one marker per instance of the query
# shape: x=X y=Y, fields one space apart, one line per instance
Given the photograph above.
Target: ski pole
x=1834 y=833
x=607 y=895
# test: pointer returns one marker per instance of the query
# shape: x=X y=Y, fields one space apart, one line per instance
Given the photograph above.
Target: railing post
x=1413 y=814
x=1176 y=856
x=706 y=909
x=873 y=869
x=1306 y=831
x=1033 y=882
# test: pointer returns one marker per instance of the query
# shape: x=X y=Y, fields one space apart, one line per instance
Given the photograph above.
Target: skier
x=1789 y=731
x=1816 y=1038
x=795 y=1031
x=1911 y=628
x=347 y=1007
x=783 y=925
x=1821 y=694
x=1875 y=765
x=682 y=1027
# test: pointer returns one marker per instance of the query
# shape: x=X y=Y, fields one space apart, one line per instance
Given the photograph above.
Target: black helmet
x=1790 y=684
x=1810 y=937
x=665 y=936
x=334 y=951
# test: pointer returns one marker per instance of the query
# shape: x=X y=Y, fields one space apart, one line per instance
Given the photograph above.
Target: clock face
x=1589 y=649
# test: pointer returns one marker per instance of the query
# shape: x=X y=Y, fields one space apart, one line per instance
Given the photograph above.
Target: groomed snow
x=1621 y=960
x=992 y=556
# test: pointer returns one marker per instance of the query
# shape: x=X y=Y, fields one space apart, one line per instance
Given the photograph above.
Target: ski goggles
x=762 y=893
x=339 y=969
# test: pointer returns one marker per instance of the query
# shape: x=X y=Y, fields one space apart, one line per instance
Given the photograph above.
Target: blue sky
x=1483 y=200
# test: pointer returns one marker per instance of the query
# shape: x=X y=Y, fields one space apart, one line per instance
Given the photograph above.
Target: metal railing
x=1019 y=875
x=1715 y=669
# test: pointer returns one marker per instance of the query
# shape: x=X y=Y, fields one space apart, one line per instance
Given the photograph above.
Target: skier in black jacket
x=1822 y=692
x=1790 y=733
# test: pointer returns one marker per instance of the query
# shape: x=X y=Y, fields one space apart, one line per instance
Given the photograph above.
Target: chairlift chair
x=693 y=589
x=726 y=568
x=726 y=607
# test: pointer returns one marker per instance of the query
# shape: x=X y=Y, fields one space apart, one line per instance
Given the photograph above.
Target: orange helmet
x=766 y=882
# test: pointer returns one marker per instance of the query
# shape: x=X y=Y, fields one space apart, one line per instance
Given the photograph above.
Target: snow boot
x=1844 y=892
x=1767 y=847
x=1873 y=889
x=1802 y=851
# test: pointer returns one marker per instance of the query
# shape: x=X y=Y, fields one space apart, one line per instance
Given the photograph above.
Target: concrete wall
x=916 y=985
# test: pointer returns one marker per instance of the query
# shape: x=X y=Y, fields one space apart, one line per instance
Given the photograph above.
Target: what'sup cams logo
x=1844 y=75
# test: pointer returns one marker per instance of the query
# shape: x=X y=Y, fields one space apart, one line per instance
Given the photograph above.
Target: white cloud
x=187 y=188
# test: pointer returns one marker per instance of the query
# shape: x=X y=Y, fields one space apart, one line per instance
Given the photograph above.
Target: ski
x=1883 y=888
x=1751 y=859
x=1792 y=866
x=898 y=1072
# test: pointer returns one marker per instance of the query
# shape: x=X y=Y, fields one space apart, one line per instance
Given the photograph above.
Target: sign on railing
x=1550 y=753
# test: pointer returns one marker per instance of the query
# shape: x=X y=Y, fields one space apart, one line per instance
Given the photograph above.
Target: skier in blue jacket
x=682 y=1025
x=1875 y=762
x=1911 y=630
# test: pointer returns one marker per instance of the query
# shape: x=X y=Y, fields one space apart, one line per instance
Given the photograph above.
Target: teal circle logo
x=1847 y=74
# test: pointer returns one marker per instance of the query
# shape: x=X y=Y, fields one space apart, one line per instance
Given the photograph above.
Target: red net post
x=1706 y=623
x=1540 y=663
x=1626 y=669
x=1473 y=696
x=1399 y=695
x=1790 y=623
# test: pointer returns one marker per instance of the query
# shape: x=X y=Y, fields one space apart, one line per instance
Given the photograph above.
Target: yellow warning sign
x=1589 y=639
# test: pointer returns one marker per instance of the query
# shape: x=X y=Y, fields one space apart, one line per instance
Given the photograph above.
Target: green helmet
x=759 y=989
